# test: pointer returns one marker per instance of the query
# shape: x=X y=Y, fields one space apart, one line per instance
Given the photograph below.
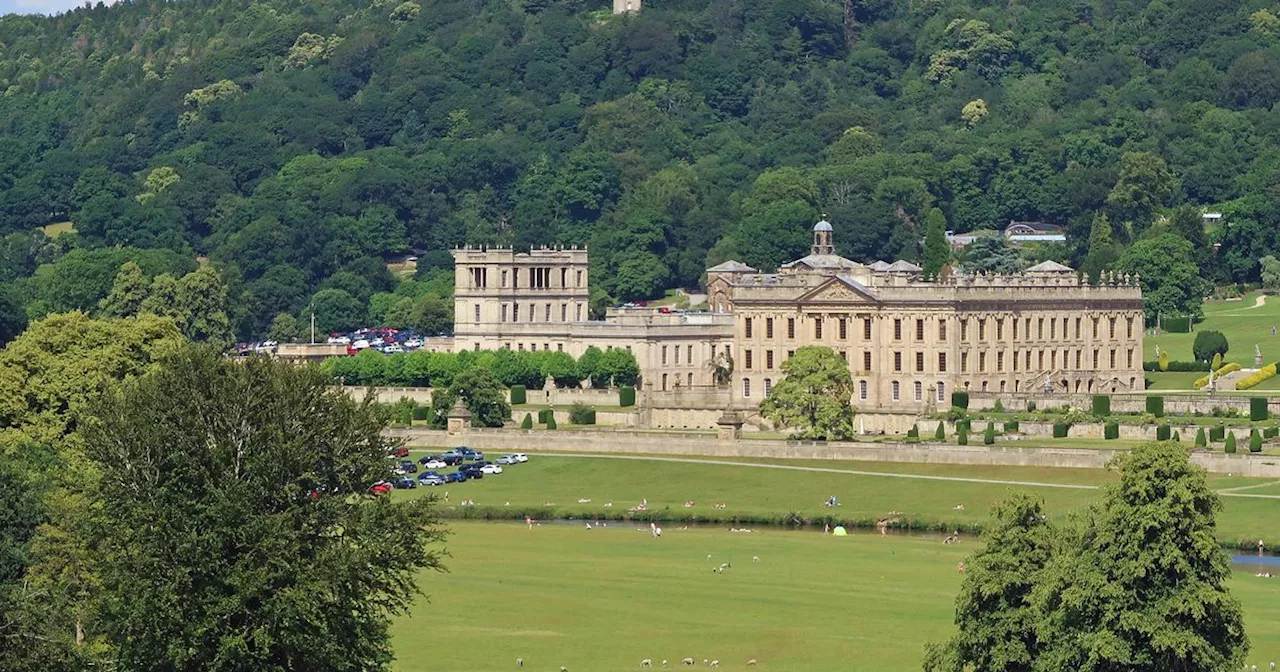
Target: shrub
x=1255 y=442
x=998 y=407
x=582 y=414
x=1256 y=377
x=1217 y=373
x=1177 y=436
x=551 y=420
x=940 y=433
x=913 y=434
x=1217 y=362
x=962 y=437
x=1163 y=432
x=1200 y=440
x=422 y=413
x=1011 y=427
x=1271 y=432
x=1217 y=433
x=527 y=423
x=1031 y=407
x=1111 y=431
x=544 y=415
x=1176 y=325
x=1060 y=430
x=960 y=400
x=1231 y=442
x=1258 y=408
x=1164 y=361
x=518 y=395
x=627 y=397
x=1101 y=405
x=1155 y=406
x=964 y=425
x=989 y=435
x=1209 y=343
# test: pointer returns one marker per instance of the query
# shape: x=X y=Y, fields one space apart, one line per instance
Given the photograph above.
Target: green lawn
x=604 y=599
x=561 y=482
x=1242 y=324
x=1176 y=380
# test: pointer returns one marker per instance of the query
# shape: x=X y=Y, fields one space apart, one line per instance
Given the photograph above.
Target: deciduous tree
x=814 y=398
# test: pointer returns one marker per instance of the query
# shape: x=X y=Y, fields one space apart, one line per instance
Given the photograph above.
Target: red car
x=400 y=451
x=380 y=488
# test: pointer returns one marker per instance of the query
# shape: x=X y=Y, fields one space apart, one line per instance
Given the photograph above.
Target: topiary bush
x=963 y=425
x=551 y=420
x=1101 y=405
x=1231 y=442
x=940 y=434
x=1271 y=432
x=962 y=437
x=913 y=434
x=544 y=416
x=582 y=414
x=1060 y=430
x=422 y=413
x=1155 y=406
x=1200 y=440
x=527 y=423
x=1209 y=344
x=989 y=434
x=1163 y=432
x=1258 y=409
x=1111 y=431
x=960 y=400
x=1176 y=436
x=1255 y=442
x=1217 y=433
x=1011 y=427
x=518 y=395
x=627 y=397
x=1253 y=379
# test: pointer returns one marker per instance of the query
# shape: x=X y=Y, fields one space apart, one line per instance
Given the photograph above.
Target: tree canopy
x=814 y=398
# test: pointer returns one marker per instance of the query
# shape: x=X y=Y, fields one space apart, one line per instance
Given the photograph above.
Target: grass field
x=1242 y=324
x=604 y=599
x=744 y=490
x=57 y=229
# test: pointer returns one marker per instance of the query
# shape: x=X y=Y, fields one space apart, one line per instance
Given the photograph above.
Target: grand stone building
x=909 y=342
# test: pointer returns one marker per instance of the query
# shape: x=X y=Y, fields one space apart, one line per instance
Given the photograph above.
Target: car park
x=435 y=463
x=406 y=483
x=451 y=460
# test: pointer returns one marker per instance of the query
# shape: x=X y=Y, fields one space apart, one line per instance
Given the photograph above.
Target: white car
x=521 y=457
x=490 y=469
x=393 y=349
x=434 y=464
x=360 y=344
x=413 y=343
x=339 y=340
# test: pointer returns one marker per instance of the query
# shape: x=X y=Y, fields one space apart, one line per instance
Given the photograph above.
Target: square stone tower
x=626 y=6
x=501 y=294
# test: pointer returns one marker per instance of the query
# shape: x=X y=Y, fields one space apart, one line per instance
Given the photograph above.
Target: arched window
x=768 y=386
x=896 y=391
x=942 y=390
x=862 y=390
x=919 y=389
x=746 y=387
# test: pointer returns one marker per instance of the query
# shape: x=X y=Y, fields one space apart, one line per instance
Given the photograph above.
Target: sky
x=38 y=6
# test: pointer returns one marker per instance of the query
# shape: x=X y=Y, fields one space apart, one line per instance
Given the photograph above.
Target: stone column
x=459 y=419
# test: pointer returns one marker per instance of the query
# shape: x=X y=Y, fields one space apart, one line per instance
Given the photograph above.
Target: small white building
x=626 y=6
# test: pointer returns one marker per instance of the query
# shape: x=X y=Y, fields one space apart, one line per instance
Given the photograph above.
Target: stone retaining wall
x=1183 y=403
x=676 y=443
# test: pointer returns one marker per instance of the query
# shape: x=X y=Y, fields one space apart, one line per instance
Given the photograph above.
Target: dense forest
x=295 y=147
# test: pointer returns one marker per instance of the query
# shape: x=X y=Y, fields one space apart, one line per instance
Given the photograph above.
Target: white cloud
x=38 y=6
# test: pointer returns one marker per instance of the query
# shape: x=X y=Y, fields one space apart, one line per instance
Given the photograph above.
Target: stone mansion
x=909 y=341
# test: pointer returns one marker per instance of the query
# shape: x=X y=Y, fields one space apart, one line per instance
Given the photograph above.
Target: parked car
x=361 y=344
x=400 y=451
x=431 y=478
x=393 y=349
x=380 y=488
x=455 y=477
x=409 y=466
x=435 y=463
x=507 y=459
x=470 y=471
x=473 y=455
x=406 y=483
x=490 y=468
x=413 y=343
x=451 y=460
x=521 y=457
x=339 y=340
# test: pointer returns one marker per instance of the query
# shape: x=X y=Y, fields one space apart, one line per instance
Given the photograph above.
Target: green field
x=559 y=482
x=1242 y=324
x=604 y=599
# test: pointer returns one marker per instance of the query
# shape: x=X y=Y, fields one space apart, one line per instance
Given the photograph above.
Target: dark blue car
x=409 y=466
x=455 y=477
x=405 y=483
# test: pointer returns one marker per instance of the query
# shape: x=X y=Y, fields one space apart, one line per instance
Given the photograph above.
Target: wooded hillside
x=299 y=145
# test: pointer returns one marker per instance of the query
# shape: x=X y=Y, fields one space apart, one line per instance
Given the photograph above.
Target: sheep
x=646 y=663
x=519 y=662
x=724 y=566
x=564 y=669
x=705 y=661
x=715 y=663
x=687 y=661
x=664 y=662
x=751 y=662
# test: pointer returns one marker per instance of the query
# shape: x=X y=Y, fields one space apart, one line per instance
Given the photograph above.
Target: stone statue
x=1157 y=353
x=1257 y=356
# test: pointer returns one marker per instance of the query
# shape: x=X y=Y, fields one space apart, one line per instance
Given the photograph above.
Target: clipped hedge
x=582 y=414
x=964 y=425
x=544 y=416
x=1011 y=427
x=1200 y=440
x=551 y=421
x=1217 y=433
x=627 y=397
x=1176 y=367
x=989 y=434
x=913 y=434
x=1255 y=442
x=1258 y=408
x=1101 y=405
x=962 y=437
x=1229 y=367
x=1060 y=430
x=1230 y=446
x=940 y=433
x=1176 y=325
x=1271 y=432
x=527 y=423
x=422 y=413
x=1163 y=432
x=518 y=395
x=1177 y=436
x=1252 y=380
x=1111 y=431
x=1155 y=406
x=960 y=400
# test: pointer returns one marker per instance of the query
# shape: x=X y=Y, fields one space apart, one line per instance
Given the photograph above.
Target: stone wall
x=1174 y=404
x=685 y=444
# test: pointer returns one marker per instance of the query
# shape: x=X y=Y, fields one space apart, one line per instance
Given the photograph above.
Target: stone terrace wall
x=676 y=443
x=1182 y=403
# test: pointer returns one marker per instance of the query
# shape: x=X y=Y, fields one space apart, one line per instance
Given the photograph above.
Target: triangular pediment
x=840 y=290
